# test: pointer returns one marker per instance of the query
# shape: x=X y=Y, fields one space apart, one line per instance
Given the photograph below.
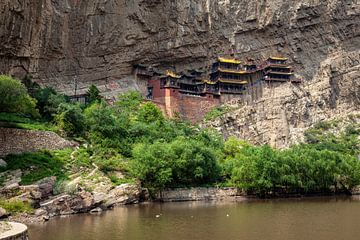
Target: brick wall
x=18 y=141
x=194 y=108
x=172 y=102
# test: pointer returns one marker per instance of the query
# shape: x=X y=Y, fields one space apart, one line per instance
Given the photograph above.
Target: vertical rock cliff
x=72 y=43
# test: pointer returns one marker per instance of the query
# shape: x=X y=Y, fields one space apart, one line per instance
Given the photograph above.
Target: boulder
x=46 y=186
x=123 y=194
x=10 y=190
x=96 y=210
x=3 y=164
x=69 y=204
x=40 y=212
x=3 y=213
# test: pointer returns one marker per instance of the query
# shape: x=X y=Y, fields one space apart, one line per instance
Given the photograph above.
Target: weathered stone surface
x=285 y=111
x=9 y=190
x=19 y=140
x=92 y=41
x=46 y=186
x=68 y=43
x=123 y=194
x=90 y=201
x=96 y=210
x=198 y=194
x=3 y=212
x=3 y=163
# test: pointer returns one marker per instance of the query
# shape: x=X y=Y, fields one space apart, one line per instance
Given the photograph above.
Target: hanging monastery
x=192 y=94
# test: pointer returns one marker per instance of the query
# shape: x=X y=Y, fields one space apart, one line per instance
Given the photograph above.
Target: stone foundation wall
x=198 y=194
x=194 y=108
x=20 y=140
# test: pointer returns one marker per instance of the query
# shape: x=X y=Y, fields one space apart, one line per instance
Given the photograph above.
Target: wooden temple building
x=193 y=93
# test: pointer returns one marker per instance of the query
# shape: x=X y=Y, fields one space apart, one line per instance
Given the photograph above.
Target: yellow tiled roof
x=209 y=82
x=229 y=60
x=172 y=74
x=234 y=81
x=283 y=73
x=278 y=58
x=232 y=71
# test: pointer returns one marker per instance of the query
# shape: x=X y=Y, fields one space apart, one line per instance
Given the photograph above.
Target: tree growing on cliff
x=14 y=97
x=93 y=94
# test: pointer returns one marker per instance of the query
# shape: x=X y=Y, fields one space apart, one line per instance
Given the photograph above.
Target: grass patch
x=217 y=112
x=11 y=120
x=16 y=206
x=39 y=165
x=118 y=181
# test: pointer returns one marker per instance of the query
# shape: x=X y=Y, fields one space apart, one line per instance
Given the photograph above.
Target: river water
x=318 y=219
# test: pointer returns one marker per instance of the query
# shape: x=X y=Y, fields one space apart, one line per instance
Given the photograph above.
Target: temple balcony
x=278 y=72
x=233 y=80
x=276 y=79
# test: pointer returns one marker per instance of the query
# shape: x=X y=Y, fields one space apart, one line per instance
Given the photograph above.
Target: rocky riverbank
x=104 y=197
x=93 y=192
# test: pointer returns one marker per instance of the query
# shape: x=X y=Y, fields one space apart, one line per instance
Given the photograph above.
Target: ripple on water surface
x=319 y=219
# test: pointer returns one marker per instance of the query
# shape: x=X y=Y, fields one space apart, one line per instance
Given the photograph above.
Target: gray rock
x=40 y=212
x=96 y=210
x=46 y=186
x=3 y=164
x=3 y=213
x=123 y=194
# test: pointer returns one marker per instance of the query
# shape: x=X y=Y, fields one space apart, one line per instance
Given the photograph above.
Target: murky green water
x=319 y=219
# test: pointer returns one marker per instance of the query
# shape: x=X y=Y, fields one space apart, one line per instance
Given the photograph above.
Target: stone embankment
x=20 y=140
x=93 y=192
x=199 y=194
x=13 y=231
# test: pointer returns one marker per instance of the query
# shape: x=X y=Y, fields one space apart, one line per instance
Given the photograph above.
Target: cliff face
x=77 y=42
x=282 y=115
x=96 y=41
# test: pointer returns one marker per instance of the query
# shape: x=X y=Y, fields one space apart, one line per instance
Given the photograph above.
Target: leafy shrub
x=216 y=112
x=93 y=94
x=303 y=168
x=108 y=160
x=149 y=113
x=16 y=206
x=15 y=99
x=177 y=163
x=70 y=120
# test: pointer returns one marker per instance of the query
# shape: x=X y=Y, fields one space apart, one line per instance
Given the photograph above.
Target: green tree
x=48 y=101
x=14 y=97
x=128 y=104
x=70 y=120
x=105 y=128
x=93 y=94
x=181 y=162
x=149 y=113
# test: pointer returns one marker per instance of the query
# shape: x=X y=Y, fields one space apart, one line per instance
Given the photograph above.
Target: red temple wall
x=173 y=103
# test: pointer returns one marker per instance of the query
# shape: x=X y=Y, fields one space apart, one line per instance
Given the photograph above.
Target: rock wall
x=63 y=42
x=198 y=194
x=74 y=43
x=285 y=111
x=19 y=140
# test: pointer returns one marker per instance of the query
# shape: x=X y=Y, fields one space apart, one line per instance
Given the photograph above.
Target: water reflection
x=320 y=219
